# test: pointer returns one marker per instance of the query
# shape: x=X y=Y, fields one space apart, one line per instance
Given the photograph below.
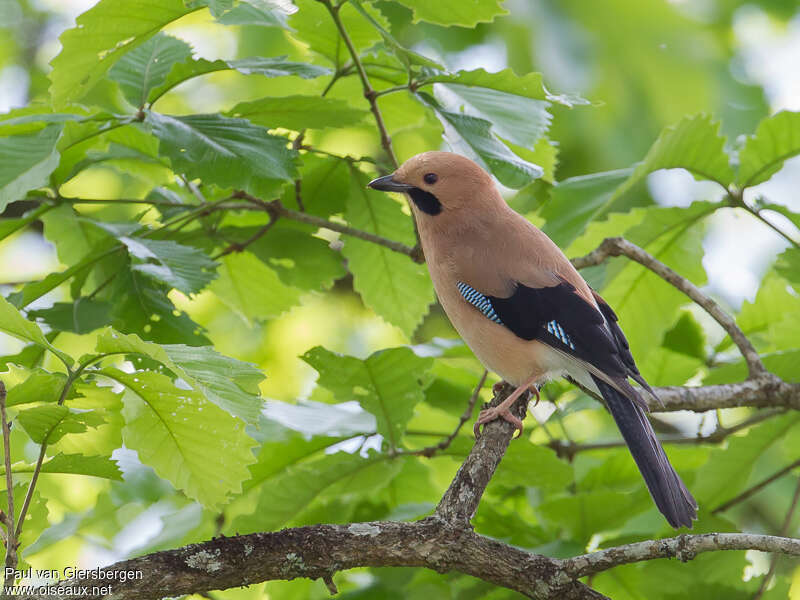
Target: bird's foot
x=490 y=414
x=535 y=391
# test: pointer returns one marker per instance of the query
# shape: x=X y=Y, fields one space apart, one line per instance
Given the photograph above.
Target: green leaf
x=269 y=67
x=139 y=305
x=284 y=496
x=229 y=383
x=298 y=112
x=171 y=428
x=726 y=472
x=315 y=28
x=252 y=289
x=51 y=422
x=81 y=316
x=80 y=464
x=396 y=288
x=388 y=384
x=776 y=139
x=183 y=267
x=455 y=12
x=687 y=337
x=13 y=323
x=551 y=473
x=674 y=236
x=782 y=363
x=472 y=136
x=788 y=265
x=514 y=117
x=577 y=201
x=317 y=418
x=585 y=514
x=26 y=161
x=300 y=259
x=147 y=66
x=530 y=85
x=325 y=184
x=264 y=14
x=102 y=35
x=693 y=144
x=228 y=152
x=40 y=386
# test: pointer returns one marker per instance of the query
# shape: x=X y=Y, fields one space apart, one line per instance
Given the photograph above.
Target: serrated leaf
x=693 y=144
x=40 y=386
x=102 y=35
x=514 y=117
x=577 y=201
x=584 y=514
x=396 y=288
x=473 y=137
x=26 y=162
x=674 y=236
x=170 y=429
x=252 y=289
x=777 y=138
x=316 y=28
x=81 y=316
x=13 y=323
x=80 y=464
x=317 y=419
x=229 y=383
x=530 y=85
x=183 y=267
x=277 y=66
x=300 y=259
x=51 y=422
x=388 y=384
x=726 y=472
x=265 y=14
x=147 y=66
x=788 y=265
x=142 y=306
x=455 y=12
x=227 y=152
x=551 y=472
x=325 y=182
x=284 y=496
x=298 y=112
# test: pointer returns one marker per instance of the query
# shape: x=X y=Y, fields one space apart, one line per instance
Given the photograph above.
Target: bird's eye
x=430 y=178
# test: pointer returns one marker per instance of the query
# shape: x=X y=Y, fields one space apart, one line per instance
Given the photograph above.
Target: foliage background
x=291 y=299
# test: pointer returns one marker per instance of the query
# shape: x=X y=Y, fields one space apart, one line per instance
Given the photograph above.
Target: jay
x=524 y=310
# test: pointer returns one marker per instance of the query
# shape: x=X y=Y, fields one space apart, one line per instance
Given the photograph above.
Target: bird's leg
x=502 y=409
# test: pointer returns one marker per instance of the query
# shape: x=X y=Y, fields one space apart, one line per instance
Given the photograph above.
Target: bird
x=525 y=311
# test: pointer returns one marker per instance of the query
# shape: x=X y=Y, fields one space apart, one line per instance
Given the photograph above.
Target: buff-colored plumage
x=524 y=310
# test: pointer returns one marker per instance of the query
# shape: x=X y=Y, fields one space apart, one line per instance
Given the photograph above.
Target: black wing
x=561 y=318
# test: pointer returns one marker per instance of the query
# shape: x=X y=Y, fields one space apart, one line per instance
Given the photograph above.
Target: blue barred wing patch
x=479 y=301
x=556 y=331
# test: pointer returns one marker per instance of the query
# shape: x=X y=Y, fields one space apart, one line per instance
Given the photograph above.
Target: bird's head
x=439 y=183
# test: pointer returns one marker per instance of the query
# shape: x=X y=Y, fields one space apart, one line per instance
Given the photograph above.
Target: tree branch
x=682 y=547
x=757 y=393
x=618 y=246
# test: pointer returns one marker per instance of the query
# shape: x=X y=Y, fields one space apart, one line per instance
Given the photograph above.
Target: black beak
x=387 y=184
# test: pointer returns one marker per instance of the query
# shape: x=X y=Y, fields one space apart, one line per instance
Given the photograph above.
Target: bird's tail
x=668 y=491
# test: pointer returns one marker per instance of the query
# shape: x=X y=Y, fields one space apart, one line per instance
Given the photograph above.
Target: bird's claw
x=490 y=414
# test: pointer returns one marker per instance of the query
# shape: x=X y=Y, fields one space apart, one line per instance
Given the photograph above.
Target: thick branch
x=765 y=391
x=682 y=547
x=618 y=246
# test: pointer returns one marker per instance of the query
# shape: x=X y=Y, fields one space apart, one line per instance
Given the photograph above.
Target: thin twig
x=369 y=92
x=568 y=449
x=773 y=563
x=755 y=488
x=9 y=538
x=429 y=451
x=239 y=246
x=618 y=246
x=278 y=209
